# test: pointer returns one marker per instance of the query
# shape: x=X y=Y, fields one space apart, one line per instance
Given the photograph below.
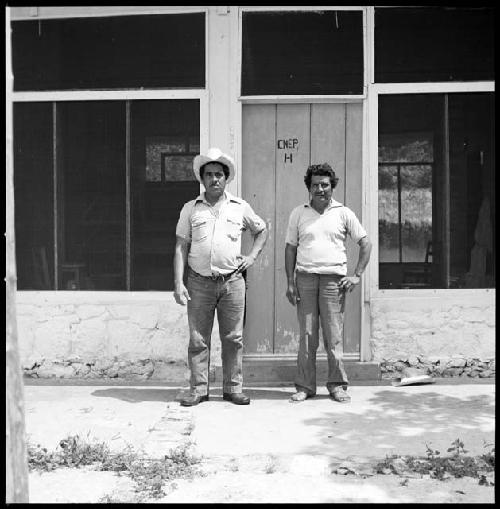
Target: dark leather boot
x=238 y=398
x=193 y=399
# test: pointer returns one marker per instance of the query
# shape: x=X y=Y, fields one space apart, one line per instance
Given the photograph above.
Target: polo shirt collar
x=333 y=204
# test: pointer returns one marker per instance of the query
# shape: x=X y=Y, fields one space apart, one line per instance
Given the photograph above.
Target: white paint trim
x=109 y=95
x=236 y=108
x=207 y=49
x=27 y=13
x=446 y=87
x=372 y=192
x=365 y=51
x=365 y=331
x=269 y=99
x=370 y=31
x=302 y=8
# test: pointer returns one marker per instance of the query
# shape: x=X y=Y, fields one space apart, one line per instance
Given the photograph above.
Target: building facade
x=111 y=104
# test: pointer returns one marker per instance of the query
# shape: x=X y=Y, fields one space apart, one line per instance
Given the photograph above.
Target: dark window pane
x=434 y=44
x=436 y=210
x=92 y=176
x=302 y=53
x=164 y=141
x=111 y=52
x=472 y=190
x=34 y=196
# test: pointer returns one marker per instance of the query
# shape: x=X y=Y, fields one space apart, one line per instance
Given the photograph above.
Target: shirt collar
x=227 y=197
x=333 y=204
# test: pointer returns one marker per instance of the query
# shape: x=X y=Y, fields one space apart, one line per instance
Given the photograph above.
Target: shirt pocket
x=234 y=227
x=199 y=229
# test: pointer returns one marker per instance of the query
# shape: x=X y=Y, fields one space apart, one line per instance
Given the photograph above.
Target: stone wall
x=137 y=336
x=446 y=335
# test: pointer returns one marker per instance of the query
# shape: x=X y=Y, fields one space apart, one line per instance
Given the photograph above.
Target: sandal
x=298 y=397
x=340 y=394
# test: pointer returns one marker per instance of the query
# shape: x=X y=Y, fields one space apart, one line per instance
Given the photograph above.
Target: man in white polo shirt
x=316 y=270
x=209 y=241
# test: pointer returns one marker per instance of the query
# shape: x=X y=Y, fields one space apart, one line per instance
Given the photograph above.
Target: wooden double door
x=279 y=142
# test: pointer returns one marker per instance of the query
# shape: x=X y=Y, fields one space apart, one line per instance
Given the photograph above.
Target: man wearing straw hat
x=209 y=243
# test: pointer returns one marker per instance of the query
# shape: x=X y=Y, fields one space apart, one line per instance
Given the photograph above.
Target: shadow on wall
x=404 y=422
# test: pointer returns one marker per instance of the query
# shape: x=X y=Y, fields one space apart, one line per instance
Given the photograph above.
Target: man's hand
x=347 y=283
x=292 y=294
x=244 y=262
x=181 y=295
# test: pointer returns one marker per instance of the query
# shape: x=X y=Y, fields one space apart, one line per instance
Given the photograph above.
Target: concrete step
x=282 y=369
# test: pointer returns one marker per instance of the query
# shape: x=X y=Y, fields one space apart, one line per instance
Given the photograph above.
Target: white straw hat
x=214 y=155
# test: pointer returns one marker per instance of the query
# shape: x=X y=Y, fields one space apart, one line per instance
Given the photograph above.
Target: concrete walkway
x=313 y=436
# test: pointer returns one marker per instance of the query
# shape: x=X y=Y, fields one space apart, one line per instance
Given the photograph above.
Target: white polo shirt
x=320 y=238
x=215 y=232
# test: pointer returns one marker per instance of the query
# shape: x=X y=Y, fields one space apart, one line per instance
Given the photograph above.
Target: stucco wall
x=433 y=328
x=105 y=334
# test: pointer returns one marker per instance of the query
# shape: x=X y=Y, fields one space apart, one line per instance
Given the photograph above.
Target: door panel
x=292 y=129
x=279 y=143
x=328 y=124
x=353 y=193
x=258 y=182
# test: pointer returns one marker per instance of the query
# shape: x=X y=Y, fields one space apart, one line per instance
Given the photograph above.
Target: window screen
x=81 y=150
x=317 y=52
x=436 y=194
x=33 y=196
x=111 y=52
x=434 y=44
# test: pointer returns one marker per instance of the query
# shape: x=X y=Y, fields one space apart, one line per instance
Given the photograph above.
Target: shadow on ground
x=133 y=395
x=137 y=395
x=399 y=420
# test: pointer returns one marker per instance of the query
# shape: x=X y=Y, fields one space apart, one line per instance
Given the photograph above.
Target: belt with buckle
x=222 y=277
x=217 y=277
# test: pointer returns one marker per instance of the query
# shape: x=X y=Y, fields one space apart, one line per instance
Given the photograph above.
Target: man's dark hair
x=322 y=170
x=225 y=169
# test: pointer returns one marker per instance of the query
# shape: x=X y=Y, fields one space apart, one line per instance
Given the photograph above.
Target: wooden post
x=15 y=444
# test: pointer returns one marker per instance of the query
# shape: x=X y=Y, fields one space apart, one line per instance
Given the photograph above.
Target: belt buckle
x=216 y=277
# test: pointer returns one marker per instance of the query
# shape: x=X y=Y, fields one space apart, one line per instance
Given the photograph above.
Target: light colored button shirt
x=320 y=238
x=215 y=232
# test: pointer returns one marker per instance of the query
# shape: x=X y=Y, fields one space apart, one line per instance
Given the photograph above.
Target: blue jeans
x=321 y=299
x=228 y=298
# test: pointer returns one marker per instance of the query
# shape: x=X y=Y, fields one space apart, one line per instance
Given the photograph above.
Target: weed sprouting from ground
x=457 y=464
x=271 y=465
x=150 y=475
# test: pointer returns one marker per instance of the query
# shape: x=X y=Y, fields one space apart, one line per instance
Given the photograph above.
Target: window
x=110 y=52
x=34 y=196
x=91 y=172
x=77 y=238
x=318 y=52
x=436 y=191
x=164 y=141
x=434 y=44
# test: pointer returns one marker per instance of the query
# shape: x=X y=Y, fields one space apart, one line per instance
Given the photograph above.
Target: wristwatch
x=357 y=275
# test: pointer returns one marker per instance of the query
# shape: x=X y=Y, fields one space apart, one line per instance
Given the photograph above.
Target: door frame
x=236 y=126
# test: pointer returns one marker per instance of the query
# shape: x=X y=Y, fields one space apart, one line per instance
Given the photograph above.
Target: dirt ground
x=259 y=480
x=269 y=451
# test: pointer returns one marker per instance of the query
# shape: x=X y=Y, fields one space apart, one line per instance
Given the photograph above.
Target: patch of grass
x=149 y=475
x=457 y=464
x=271 y=465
